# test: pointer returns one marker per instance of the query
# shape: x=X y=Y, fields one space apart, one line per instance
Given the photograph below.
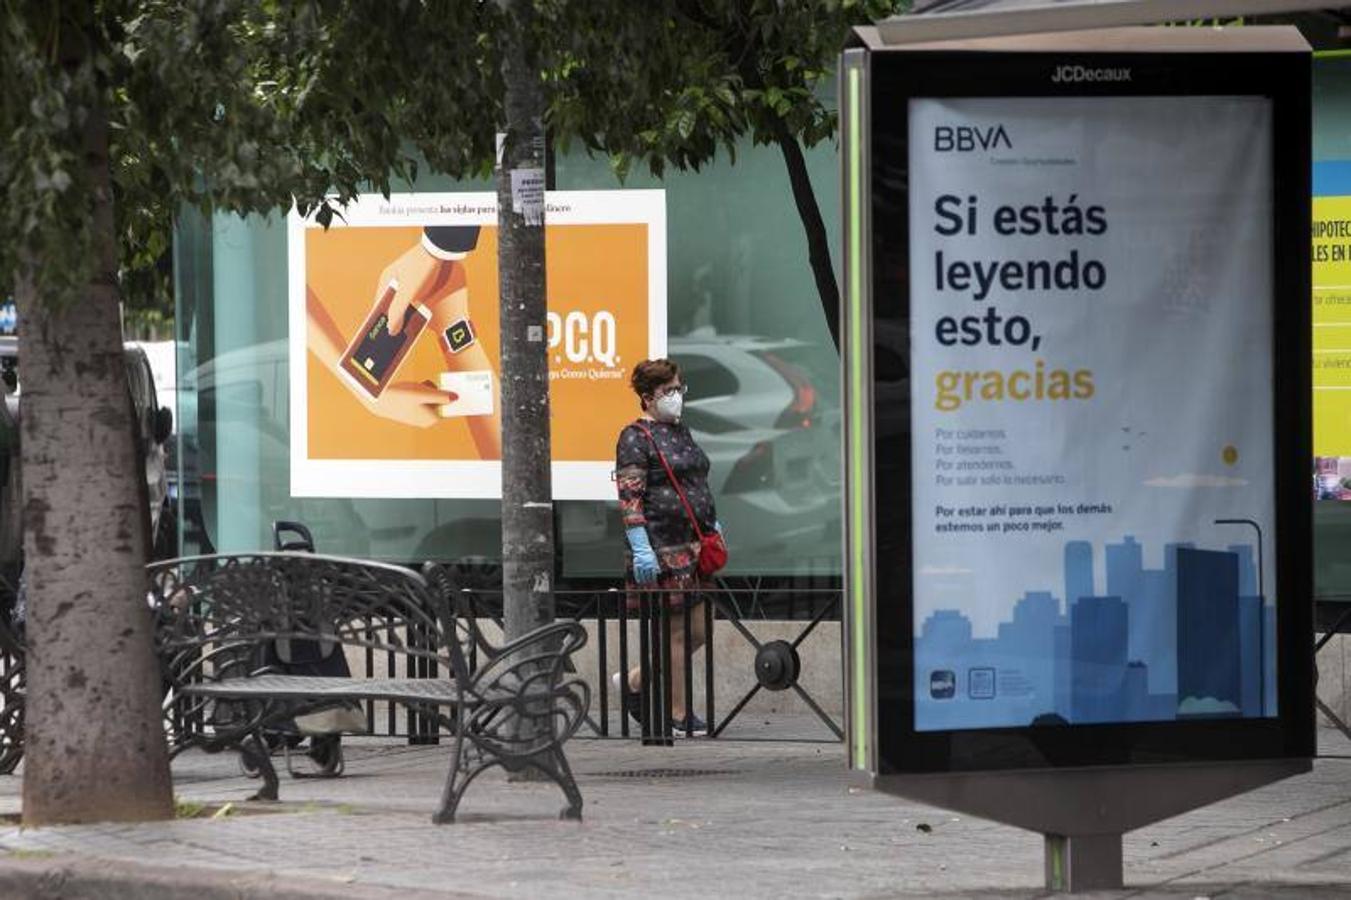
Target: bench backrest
x=216 y=612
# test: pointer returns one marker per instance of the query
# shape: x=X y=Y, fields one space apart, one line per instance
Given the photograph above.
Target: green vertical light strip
x=857 y=457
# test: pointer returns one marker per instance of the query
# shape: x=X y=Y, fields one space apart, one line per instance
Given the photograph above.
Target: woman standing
x=662 y=546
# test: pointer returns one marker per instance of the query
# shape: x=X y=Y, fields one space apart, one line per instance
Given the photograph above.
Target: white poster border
x=456 y=479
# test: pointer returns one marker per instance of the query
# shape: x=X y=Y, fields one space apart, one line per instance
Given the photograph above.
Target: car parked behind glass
x=154 y=425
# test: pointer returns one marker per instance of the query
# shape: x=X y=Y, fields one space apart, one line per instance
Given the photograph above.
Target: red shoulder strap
x=675 y=482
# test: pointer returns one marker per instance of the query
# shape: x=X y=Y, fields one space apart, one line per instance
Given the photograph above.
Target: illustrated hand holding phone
x=382 y=343
x=424 y=287
x=421 y=278
x=410 y=402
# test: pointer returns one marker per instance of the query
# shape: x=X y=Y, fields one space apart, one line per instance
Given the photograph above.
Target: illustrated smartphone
x=375 y=355
x=474 y=390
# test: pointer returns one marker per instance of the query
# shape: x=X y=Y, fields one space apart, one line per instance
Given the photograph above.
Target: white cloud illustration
x=1194 y=706
x=1195 y=481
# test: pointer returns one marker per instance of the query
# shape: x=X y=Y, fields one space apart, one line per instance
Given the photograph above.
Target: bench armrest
x=520 y=661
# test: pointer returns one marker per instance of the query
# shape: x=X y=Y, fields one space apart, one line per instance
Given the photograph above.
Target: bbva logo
x=965 y=138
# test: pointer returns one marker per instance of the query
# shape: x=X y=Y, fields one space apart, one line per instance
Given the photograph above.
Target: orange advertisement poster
x=413 y=408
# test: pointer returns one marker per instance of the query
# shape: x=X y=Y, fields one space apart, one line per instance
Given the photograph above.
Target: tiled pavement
x=723 y=818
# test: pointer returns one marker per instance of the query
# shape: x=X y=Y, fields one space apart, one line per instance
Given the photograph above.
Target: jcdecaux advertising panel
x=1092 y=464
x=1077 y=343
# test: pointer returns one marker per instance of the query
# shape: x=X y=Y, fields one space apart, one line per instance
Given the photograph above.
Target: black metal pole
x=663 y=710
x=709 y=714
x=687 y=648
x=645 y=667
x=624 y=665
x=602 y=665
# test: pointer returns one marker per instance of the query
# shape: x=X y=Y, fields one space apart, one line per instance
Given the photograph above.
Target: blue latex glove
x=717 y=526
x=645 y=567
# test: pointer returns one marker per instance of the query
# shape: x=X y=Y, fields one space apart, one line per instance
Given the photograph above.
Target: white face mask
x=669 y=406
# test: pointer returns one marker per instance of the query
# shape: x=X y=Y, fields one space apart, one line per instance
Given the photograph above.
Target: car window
x=135 y=380
x=706 y=377
x=148 y=380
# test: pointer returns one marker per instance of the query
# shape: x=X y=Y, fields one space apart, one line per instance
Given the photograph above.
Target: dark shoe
x=690 y=726
x=630 y=701
x=326 y=752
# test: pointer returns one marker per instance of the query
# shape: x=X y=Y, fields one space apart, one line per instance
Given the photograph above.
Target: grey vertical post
x=1084 y=862
x=527 y=489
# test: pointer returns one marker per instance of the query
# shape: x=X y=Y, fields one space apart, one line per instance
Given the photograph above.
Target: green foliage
x=251 y=105
x=229 y=104
x=146 y=322
x=672 y=81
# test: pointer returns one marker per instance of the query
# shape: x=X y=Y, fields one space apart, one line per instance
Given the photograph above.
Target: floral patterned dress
x=647 y=498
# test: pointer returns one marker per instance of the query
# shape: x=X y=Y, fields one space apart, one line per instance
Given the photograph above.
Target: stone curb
x=72 y=877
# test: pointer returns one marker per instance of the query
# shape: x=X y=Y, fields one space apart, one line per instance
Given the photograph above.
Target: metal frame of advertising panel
x=938 y=20
x=1081 y=785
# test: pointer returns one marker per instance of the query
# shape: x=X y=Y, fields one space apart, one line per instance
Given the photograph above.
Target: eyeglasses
x=681 y=389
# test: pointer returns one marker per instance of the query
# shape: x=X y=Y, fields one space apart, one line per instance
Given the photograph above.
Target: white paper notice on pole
x=1093 y=503
x=527 y=194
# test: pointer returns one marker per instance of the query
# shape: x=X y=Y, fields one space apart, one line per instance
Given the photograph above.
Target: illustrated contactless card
x=459 y=335
x=474 y=390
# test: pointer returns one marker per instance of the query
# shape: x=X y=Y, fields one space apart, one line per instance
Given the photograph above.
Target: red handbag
x=712 y=548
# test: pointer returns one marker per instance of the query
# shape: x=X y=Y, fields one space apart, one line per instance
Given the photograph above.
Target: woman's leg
x=678 y=653
x=697 y=640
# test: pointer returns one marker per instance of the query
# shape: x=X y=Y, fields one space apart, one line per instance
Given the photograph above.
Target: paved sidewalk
x=703 y=819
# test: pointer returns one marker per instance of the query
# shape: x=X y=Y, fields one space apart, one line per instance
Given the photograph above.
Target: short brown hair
x=651 y=374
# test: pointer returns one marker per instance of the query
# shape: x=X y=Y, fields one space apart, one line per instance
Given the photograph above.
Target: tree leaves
x=252 y=105
x=677 y=80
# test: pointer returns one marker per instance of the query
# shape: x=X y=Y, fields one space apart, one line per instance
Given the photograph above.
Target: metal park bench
x=220 y=617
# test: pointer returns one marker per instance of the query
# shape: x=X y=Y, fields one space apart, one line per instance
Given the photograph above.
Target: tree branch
x=818 y=243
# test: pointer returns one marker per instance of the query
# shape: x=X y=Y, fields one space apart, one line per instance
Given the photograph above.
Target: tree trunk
x=95 y=746
x=818 y=243
x=527 y=489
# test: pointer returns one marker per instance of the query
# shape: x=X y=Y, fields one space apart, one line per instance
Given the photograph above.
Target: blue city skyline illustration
x=1194 y=639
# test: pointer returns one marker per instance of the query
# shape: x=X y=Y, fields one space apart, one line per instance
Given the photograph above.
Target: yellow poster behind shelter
x=1332 y=326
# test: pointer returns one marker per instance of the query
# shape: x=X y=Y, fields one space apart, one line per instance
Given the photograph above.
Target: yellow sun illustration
x=1229 y=454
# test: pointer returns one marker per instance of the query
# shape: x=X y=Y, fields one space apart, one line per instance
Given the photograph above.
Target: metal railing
x=777 y=663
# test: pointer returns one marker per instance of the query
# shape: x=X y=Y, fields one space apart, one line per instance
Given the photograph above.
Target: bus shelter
x=1078 y=518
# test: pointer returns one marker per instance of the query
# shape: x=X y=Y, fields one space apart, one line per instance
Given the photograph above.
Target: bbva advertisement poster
x=1092 y=467
x=395 y=341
